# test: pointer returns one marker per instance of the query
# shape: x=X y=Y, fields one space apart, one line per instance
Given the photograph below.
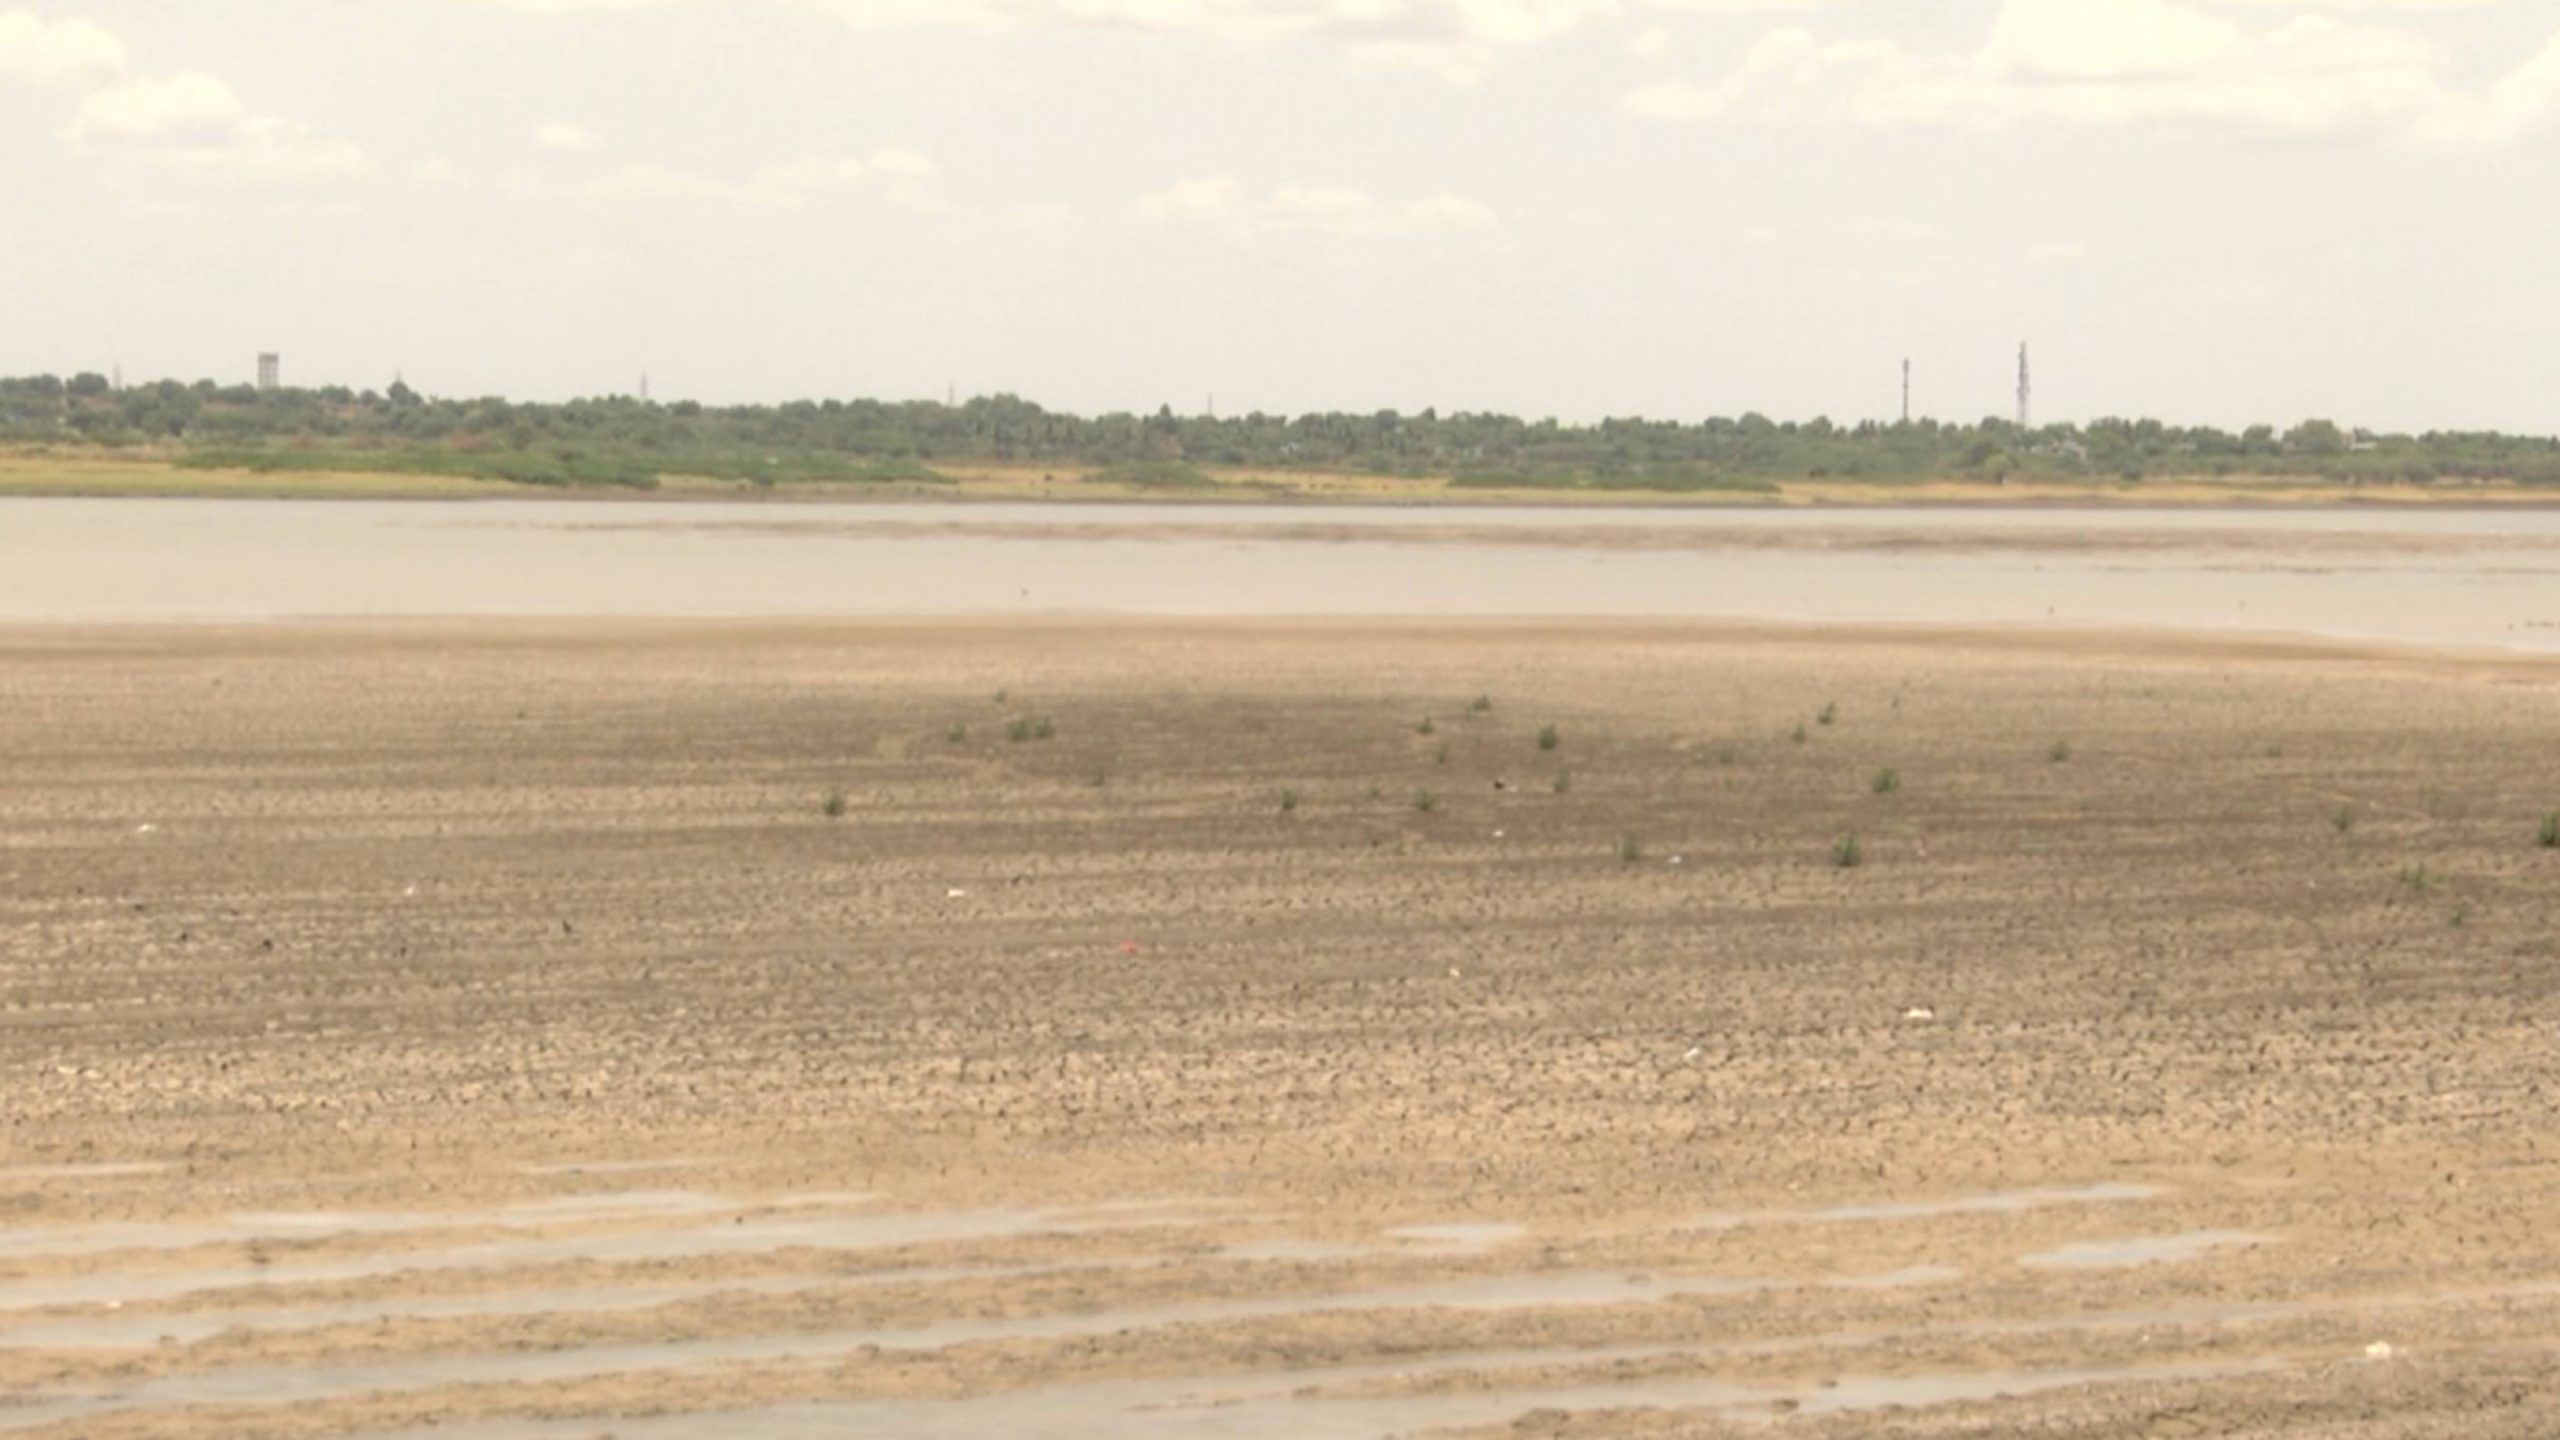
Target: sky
x=2210 y=211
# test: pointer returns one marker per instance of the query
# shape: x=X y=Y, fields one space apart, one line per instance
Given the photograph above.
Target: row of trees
x=629 y=439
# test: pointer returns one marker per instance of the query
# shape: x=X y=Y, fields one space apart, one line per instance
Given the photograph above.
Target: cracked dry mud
x=480 y=1030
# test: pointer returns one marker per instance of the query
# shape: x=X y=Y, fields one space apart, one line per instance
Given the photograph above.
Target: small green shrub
x=1549 y=737
x=1630 y=849
x=957 y=734
x=1481 y=705
x=1847 y=854
x=1727 y=755
x=1426 y=727
x=2060 y=752
x=1288 y=801
x=2416 y=878
x=2343 y=820
x=1830 y=713
x=1003 y=695
x=1886 y=782
x=1564 y=781
x=1798 y=734
x=1425 y=801
x=2548 y=837
x=1439 y=754
x=833 y=805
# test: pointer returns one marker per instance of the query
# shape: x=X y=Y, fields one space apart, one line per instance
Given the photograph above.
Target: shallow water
x=1499 y=1292
x=2465 y=577
x=743 y=1235
x=1270 y=1407
x=2004 y=1202
x=2142 y=1250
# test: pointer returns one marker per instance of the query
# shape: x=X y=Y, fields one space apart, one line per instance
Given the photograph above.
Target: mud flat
x=436 y=1028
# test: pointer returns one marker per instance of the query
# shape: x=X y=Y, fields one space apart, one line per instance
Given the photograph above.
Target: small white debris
x=1919 y=1012
x=1453 y=972
x=1679 y=859
x=1497 y=834
x=146 y=828
x=410 y=893
x=1694 y=1052
x=2379 y=1350
x=955 y=893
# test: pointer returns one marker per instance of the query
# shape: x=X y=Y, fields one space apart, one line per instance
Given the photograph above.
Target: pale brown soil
x=385 y=919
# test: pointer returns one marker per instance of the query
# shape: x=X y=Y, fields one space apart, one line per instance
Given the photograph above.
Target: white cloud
x=1222 y=204
x=194 y=129
x=1455 y=41
x=57 y=52
x=902 y=177
x=1049 y=217
x=566 y=138
x=437 y=171
x=1905 y=232
x=2159 y=63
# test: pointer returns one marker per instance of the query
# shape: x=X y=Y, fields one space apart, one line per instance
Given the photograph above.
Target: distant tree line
x=621 y=440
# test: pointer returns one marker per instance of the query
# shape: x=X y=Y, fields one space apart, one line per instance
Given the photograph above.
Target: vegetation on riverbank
x=627 y=443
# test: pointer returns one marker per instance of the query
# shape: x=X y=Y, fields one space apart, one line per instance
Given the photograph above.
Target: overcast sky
x=2208 y=210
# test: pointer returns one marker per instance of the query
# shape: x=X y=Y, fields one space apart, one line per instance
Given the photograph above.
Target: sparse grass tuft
x=2416 y=878
x=1830 y=713
x=1727 y=755
x=1481 y=705
x=1425 y=801
x=1847 y=854
x=1798 y=734
x=1887 y=781
x=1426 y=727
x=2461 y=915
x=833 y=805
x=2344 y=820
x=2060 y=752
x=2548 y=837
x=1377 y=792
x=1288 y=801
x=1549 y=737
x=1439 y=754
x=1030 y=727
x=1003 y=696
x=957 y=734
x=2275 y=752
x=1630 y=849
x=1564 y=781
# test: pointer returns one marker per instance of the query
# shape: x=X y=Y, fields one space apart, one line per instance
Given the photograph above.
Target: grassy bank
x=394 y=475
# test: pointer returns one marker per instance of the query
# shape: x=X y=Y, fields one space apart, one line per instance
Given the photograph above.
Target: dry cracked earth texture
x=1186 y=1030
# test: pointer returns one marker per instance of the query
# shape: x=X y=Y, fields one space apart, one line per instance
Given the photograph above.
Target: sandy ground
x=483 y=1030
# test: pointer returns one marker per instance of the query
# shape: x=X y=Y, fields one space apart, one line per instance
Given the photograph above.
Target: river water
x=2466 y=577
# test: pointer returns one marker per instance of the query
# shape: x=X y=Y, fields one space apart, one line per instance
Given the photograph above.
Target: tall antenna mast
x=2026 y=391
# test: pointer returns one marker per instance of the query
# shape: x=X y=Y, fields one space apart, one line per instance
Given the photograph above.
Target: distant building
x=270 y=370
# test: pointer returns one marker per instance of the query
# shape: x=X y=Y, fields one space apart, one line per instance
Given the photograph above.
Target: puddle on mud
x=91 y=1170
x=279 y=1384
x=2141 y=1250
x=614 y=1167
x=2006 y=1202
x=301 y=1226
x=1459 y=1237
x=1276 y=1407
x=743 y=1235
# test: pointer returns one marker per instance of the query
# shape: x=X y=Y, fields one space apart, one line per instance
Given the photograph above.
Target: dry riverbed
x=1226 y=1029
